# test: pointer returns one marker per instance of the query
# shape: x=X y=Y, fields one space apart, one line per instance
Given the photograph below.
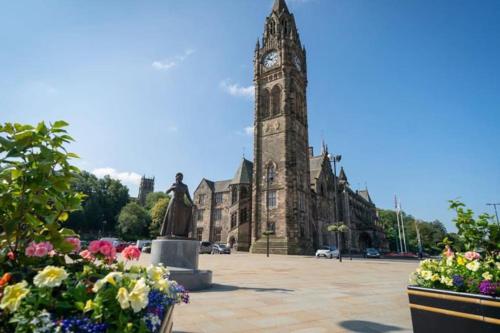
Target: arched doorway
x=365 y=241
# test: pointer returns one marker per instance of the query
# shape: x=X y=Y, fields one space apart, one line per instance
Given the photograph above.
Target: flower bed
x=460 y=292
x=92 y=293
x=47 y=283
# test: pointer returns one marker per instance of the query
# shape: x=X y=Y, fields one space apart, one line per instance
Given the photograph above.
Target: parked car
x=146 y=249
x=120 y=247
x=371 y=253
x=142 y=242
x=113 y=240
x=220 y=249
x=327 y=252
x=206 y=247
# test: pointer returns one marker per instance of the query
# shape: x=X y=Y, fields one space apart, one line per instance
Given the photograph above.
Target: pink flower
x=94 y=246
x=103 y=247
x=30 y=250
x=76 y=244
x=39 y=249
x=11 y=255
x=471 y=255
x=85 y=254
x=131 y=253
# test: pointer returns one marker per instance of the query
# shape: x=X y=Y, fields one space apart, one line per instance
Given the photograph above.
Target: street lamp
x=337 y=229
x=269 y=179
x=495 y=207
x=268 y=233
x=335 y=159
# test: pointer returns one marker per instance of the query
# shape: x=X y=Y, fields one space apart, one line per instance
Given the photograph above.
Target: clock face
x=297 y=62
x=270 y=59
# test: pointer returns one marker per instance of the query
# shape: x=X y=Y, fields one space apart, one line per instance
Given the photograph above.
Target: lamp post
x=495 y=207
x=335 y=159
x=269 y=231
x=337 y=229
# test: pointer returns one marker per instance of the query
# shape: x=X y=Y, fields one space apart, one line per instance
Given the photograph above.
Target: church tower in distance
x=281 y=180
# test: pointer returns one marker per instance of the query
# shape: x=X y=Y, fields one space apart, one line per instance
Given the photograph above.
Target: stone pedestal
x=181 y=258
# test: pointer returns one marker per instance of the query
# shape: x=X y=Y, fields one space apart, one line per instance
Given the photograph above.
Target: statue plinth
x=180 y=255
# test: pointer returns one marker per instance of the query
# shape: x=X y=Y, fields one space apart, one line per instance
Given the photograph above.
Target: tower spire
x=279 y=6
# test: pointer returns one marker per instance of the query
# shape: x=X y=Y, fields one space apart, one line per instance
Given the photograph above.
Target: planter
x=434 y=310
x=168 y=321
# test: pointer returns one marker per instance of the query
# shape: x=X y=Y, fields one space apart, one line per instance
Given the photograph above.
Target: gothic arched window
x=298 y=106
x=276 y=100
x=264 y=103
x=271 y=173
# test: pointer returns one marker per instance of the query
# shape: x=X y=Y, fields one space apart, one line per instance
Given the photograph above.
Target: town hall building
x=287 y=189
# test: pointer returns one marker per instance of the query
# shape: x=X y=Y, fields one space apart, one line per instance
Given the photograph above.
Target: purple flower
x=458 y=281
x=488 y=288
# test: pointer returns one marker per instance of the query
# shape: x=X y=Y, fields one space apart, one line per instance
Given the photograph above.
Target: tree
x=35 y=191
x=104 y=198
x=152 y=198
x=431 y=233
x=133 y=222
x=157 y=215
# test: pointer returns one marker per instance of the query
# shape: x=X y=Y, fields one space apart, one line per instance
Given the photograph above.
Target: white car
x=327 y=252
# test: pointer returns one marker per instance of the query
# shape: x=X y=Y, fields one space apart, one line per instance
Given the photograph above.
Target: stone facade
x=146 y=186
x=286 y=189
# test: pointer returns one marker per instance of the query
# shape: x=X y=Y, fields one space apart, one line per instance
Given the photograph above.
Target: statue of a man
x=178 y=220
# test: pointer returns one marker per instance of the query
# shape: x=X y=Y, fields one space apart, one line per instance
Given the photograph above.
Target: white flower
x=487 y=276
x=111 y=278
x=157 y=272
x=50 y=276
x=473 y=265
x=446 y=280
x=426 y=275
x=138 y=297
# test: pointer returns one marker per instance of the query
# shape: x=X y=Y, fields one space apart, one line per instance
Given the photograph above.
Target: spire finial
x=279 y=6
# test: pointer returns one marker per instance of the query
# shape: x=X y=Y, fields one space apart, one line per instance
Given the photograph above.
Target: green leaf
x=60 y=124
x=15 y=173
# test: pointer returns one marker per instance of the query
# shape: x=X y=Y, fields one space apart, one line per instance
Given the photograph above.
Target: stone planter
x=168 y=321
x=434 y=310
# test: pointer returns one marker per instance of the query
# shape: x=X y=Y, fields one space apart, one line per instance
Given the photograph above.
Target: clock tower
x=281 y=192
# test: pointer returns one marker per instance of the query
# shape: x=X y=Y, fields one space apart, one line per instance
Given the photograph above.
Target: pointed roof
x=244 y=173
x=365 y=195
x=279 y=6
x=342 y=176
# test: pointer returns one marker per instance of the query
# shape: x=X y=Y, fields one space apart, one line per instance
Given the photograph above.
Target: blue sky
x=407 y=91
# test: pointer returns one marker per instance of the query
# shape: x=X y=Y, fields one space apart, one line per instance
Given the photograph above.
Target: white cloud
x=235 y=89
x=126 y=177
x=166 y=64
x=249 y=130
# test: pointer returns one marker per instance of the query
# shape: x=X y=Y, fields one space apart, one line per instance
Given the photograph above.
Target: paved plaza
x=253 y=293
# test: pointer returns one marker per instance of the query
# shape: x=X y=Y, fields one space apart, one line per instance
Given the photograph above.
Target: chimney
x=311 y=151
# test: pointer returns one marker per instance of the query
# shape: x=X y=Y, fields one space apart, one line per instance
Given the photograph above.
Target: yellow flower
x=13 y=295
x=446 y=280
x=157 y=272
x=110 y=278
x=138 y=297
x=435 y=277
x=88 y=306
x=426 y=275
x=460 y=261
x=162 y=284
x=473 y=265
x=122 y=297
x=50 y=276
x=487 y=276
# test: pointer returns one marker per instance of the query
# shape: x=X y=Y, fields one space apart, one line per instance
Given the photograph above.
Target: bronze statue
x=178 y=220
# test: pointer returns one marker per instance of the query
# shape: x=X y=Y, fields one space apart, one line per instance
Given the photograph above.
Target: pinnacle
x=279 y=6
